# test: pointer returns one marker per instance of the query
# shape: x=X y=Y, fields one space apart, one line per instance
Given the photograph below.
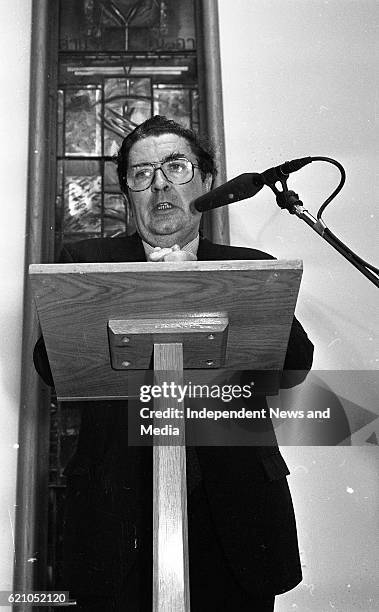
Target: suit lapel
x=208 y=251
x=131 y=249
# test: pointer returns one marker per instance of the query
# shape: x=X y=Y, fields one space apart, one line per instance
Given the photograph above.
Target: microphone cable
x=327 y=202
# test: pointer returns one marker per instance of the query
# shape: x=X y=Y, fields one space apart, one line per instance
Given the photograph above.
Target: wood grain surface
x=76 y=301
x=170 y=527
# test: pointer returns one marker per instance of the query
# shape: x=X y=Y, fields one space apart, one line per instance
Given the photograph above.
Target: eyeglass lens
x=177 y=171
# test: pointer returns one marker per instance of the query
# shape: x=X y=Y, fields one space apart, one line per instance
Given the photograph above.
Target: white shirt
x=190 y=247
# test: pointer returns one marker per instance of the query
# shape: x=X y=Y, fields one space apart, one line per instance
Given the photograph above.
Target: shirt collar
x=190 y=247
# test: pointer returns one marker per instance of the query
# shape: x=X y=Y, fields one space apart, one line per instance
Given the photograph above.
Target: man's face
x=163 y=212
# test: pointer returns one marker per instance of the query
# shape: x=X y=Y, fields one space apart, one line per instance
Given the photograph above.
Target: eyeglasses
x=177 y=171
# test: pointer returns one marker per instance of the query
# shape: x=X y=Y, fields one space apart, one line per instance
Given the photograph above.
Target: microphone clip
x=286 y=199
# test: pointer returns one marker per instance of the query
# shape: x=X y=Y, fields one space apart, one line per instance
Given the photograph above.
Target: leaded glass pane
x=173 y=103
x=81 y=197
x=83 y=121
x=110 y=178
x=127 y=103
x=115 y=214
x=115 y=209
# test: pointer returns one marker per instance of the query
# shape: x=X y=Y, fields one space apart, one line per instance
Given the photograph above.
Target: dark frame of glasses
x=160 y=166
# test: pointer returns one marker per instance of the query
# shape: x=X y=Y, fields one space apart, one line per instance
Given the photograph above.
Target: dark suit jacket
x=249 y=501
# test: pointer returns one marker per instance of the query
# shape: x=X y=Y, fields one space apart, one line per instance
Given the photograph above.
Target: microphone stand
x=289 y=200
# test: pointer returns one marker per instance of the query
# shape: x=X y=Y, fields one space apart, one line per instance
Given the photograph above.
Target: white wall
x=14 y=74
x=300 y=78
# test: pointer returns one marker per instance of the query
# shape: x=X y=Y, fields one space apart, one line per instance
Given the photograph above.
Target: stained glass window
x=120 y=62
x=127 y=25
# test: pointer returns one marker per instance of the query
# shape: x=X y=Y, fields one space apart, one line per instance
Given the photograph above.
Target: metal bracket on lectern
x=203 y=336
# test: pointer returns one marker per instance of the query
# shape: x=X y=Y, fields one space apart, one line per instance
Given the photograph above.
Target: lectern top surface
x=76 y=303
x=184 y=266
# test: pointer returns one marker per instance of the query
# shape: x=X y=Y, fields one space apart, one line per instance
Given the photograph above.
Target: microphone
x=239 y=188
x=247 y=185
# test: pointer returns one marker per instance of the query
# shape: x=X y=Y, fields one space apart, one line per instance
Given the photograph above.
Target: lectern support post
x=170 y=539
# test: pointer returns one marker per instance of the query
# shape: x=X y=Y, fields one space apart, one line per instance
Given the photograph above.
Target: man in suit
x=242 y=534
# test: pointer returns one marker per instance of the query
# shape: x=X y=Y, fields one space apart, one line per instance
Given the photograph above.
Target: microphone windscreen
x=239 y=188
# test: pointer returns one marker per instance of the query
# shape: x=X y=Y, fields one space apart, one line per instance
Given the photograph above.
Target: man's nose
x=159 y=180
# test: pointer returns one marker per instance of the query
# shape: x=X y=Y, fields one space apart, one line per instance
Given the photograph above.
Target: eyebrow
x=170 y=157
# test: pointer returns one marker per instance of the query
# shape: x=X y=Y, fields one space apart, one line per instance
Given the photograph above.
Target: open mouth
x=163 y=206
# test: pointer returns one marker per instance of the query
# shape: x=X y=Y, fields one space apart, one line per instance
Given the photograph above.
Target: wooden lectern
x=106 y=325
